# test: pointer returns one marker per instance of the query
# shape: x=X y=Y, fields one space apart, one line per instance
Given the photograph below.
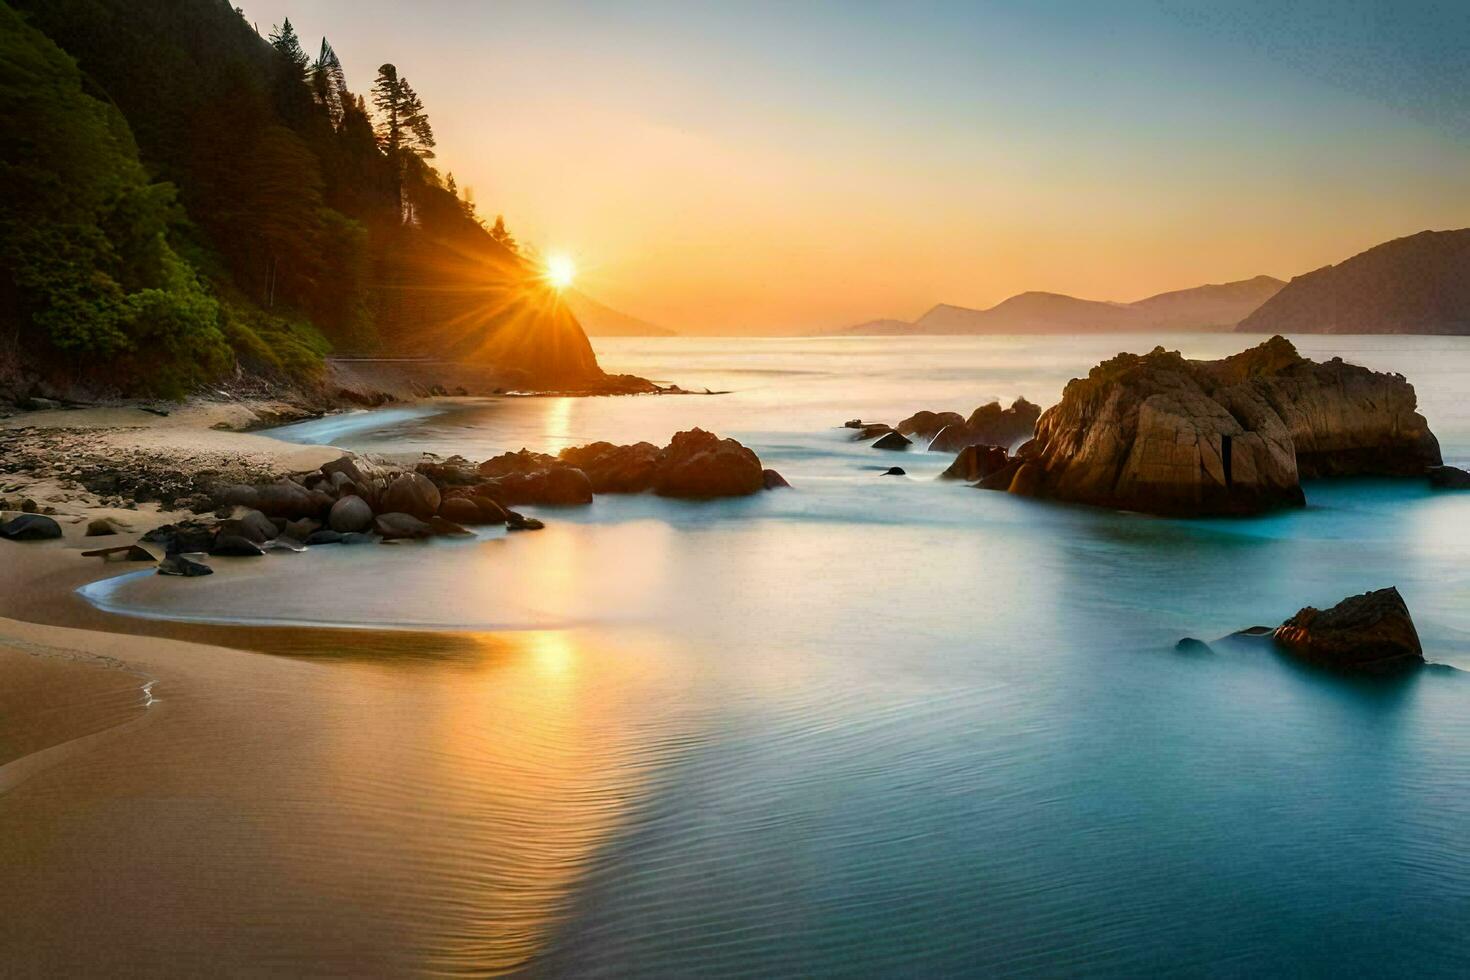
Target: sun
x=560 y=271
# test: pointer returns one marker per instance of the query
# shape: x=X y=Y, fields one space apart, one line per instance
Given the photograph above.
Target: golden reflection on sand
x=368 y=803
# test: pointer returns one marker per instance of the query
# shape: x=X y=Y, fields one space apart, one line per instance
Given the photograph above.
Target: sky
x=787 y=167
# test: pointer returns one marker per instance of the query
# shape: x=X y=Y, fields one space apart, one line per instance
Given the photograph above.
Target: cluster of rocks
x=1162 y=434
x=695 y=465
x=1368 y=632
x=951 y=432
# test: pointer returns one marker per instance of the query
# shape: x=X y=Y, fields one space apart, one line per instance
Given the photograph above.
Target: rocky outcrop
x=1165 y=435
x=950 y=432
x=975 y=463
x=1371 y=631
x=695 y=464
x=989 y=425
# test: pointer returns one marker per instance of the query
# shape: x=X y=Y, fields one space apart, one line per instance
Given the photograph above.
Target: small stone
x=186 y=567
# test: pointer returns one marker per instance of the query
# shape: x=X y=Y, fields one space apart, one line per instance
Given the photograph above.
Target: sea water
x=891 y=724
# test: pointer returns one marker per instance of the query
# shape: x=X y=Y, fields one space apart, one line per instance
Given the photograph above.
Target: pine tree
x=283 y=38
x=388 y=99
x=329 y=82
x=501 y=235
x=419 y=135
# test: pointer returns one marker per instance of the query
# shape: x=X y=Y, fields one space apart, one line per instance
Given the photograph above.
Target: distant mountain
x=1418 y=284
x=604 y=321
x=1212 y=307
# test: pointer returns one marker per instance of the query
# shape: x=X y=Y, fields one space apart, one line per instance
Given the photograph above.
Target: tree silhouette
x=283 y=38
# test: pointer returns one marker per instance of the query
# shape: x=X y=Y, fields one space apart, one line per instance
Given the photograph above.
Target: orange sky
x=798 y=167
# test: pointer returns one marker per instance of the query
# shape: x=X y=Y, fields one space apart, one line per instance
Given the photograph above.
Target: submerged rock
x=121 y=552
x=1369 y=631
x=235 y=546
x=323 y=536
x=186 y=567
x=447 y=528
x=772 y=480
x=893 y=440
x=895 y=471
x=515 y=521
x=1161 y=434
x=30 y=527
x=1449 y=478
x=928 y=424
x=460 y=510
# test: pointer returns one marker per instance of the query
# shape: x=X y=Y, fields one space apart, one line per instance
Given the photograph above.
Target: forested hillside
x=183 y=198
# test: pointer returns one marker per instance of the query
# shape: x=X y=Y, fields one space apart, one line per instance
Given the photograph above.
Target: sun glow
x=560 y=271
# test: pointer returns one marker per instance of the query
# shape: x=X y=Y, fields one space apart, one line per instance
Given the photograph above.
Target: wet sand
x=366 y=803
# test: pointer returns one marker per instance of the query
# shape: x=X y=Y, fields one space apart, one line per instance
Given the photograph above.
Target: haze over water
x=883 y=724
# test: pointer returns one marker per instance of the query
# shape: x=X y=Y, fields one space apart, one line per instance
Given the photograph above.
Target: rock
x=515 y=521
x=1190 y=645
x=233 y=545
x=456 y=471
x=524 y=461
x=853 y=424
x=1164 y=435
x=101 y=528
x=301 y=528
x=893 y=440
x=187 y=567
x=447 y=528
x=359 y=537
x=490 y=511
x=1363 y=632
x=700 y=465
x=772 y=480
x=291 y=500
x=183 y=537
x=257 y=527
x=567 y=486
x=351 y=513
x=284 y=543
x=460 y=510
x=1001 y=479
x=895 y=471
x=988 y=425
x=928 y=424
x=30 y=527
x=121 y=552
x=240 y=495
x=1449 y=478
x=975 y=463
x=412 y=493
x=615 y=469
x=872 y=431
x=323 y=536
x=395 y=525
x=29 y=506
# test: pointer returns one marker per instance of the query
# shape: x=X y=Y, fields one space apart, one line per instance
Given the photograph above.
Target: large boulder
x=460 y=510
x=975 y=463
x=988 y=425
x=351 y=513
x=615 y=469
x=30 y=527
x=700 y=465
x=1161 y=434
x=1369 y=631
x=411 y=493
x=290 y=500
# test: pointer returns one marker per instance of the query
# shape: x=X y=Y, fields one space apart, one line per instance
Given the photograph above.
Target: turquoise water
x=906 y=727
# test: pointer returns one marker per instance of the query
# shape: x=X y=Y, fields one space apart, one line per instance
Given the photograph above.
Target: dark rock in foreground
x=695 y=464
x=1363 y=632
x=1449 y=478
x=186 y=567
x=30 y=527
x=895 y=471
x=1161 y=434
x=893 y=440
